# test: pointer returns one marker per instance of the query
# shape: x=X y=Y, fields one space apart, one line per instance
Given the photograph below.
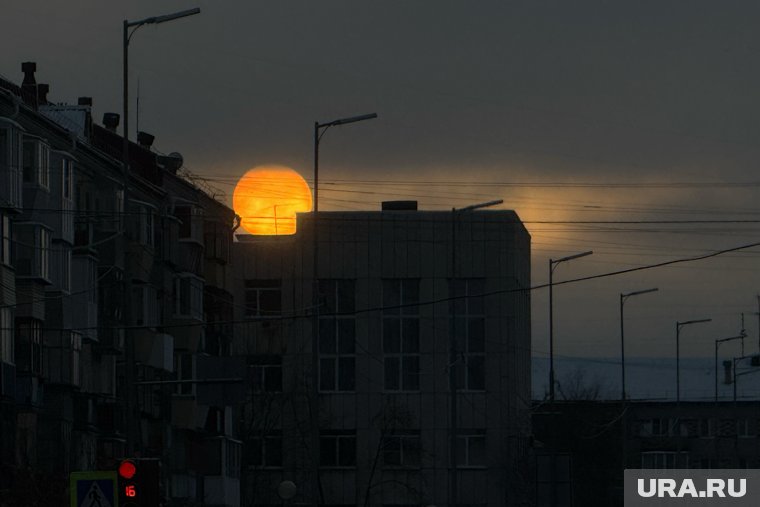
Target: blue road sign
x=93 y=489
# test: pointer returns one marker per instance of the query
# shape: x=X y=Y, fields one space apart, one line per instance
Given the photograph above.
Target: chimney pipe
x=111 y=121
x=42 y=90
x=29 y=85
x=145 y=140
x=728 y=378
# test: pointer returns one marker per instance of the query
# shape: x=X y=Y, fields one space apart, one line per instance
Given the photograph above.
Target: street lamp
x=131 y=398
x=453 y=352
x=623 y=298
x=552 y=266
x=679 y=325
x=319 y=131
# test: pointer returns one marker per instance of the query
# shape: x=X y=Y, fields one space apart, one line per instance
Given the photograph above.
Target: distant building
x=68 y=246
x=392 y=287
x=580 y=451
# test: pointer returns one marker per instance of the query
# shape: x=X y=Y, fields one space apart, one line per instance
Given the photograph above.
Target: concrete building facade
x=394 y=288
x=69 y=244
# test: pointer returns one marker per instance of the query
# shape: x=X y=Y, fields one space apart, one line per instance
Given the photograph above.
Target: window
x=143 y=220
x=402 y=450
x=76 y=351
x=190 y=221
x=471 y=448
x=36 y=159
x=6 y=336
x=707 y=428
x=266 y=373
x=183 y=370
x=43 y=257
x=401 y=335
x=5 y=243
x=743 y=428
x=468 y=314
x=553 y=480
x=337 y=448
x=264 y=451
x=263 y=299
x=337 y=336
x=727 y=428
x=67 y=178
x=63 y=254
x=664 y=460
x=188 y=296
x=29 y=345
x=145 y=305
x=216 y=240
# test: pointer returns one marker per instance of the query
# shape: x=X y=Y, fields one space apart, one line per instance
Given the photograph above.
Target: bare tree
x=576 y=386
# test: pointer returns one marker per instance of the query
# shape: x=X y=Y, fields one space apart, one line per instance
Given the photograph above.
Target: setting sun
x=268 y=197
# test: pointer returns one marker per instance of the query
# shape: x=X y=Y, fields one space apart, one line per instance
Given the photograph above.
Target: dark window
x=401 y=334
x=266 y=373
x=337 y=336
x=263 y=298
x=468 y=314
x=264 y=450
x=402 y=450
x=471 y=448
x=29 y=345
x=185 y=215
x=337 y=449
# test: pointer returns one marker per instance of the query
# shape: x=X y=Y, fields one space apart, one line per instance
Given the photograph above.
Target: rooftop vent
x=84 y=101
x=145 y=140
x=399 y=206
x=111 y=121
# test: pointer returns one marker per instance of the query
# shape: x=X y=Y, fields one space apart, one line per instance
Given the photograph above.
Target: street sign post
x=93 y=489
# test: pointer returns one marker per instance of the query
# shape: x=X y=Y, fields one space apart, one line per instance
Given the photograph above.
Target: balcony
x=154 y=349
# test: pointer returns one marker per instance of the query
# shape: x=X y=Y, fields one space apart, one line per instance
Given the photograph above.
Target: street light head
x=351 y=119
x=640 y=292
x=699 y=321
x=571 y=257
x=171 y=17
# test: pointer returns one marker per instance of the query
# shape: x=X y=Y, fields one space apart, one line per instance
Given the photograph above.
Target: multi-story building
x=67 y=327
x=415 y=310
x=582 y=447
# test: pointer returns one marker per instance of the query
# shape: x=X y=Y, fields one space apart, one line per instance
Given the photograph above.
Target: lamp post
x=319 y=131
x=453 y=489
x=623 y=299
x=131 y=395
x=552 y=266
x=718 y=343
x=679 y=325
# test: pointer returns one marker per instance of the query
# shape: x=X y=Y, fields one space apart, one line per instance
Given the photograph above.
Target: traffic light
x=138 y=481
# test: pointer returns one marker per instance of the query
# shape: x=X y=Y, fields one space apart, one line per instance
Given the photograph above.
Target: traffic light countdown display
x=138 y=481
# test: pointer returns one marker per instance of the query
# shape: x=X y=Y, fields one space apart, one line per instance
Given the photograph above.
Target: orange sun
x=268 y=197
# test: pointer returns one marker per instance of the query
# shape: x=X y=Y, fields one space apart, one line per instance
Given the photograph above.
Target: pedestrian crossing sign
x=93 y=489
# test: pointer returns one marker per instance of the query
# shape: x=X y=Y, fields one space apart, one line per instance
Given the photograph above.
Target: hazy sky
x=467 y=92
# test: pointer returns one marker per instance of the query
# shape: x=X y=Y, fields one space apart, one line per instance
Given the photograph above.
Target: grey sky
x=467 y=91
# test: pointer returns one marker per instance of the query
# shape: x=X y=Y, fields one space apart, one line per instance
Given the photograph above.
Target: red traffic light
x=127 y=469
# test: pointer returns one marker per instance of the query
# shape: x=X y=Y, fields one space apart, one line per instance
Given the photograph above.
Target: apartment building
x=414 y=310
x=69 y=246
